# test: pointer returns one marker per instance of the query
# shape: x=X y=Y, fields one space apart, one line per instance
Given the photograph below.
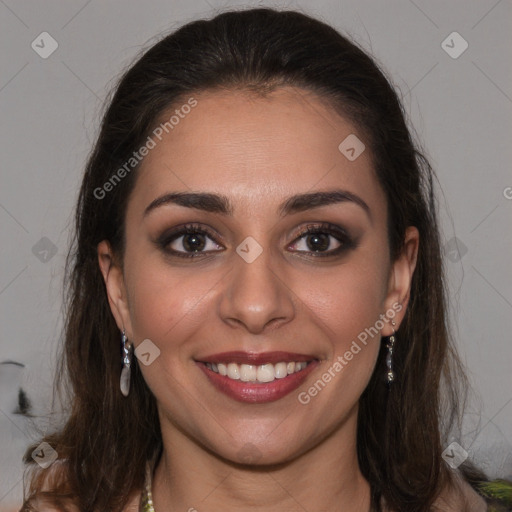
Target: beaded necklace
x=146 y=499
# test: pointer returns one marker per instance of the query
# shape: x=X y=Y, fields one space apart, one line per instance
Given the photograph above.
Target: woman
x=258 y=228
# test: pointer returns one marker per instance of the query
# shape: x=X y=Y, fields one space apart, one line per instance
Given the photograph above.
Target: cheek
x=347 y=306
x=169 y=308
x=348 y=300
x=163 y=301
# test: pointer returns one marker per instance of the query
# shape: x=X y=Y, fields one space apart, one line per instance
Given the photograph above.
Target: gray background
x=460 y=108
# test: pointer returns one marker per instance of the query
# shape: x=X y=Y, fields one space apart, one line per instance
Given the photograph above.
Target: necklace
x=146 y=499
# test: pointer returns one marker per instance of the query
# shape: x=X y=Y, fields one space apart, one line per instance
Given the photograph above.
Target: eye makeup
x=195 y=240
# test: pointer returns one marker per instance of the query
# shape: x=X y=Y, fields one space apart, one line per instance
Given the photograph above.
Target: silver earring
x=127 y=361
x=390 y=376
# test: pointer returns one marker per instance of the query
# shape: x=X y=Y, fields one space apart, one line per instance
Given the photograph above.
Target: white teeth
x=233 y=371
x=266 y=373
x=252 y=373
x=248 y=372
x=280 y=370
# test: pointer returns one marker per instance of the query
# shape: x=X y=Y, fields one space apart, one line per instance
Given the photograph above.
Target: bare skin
x=258 y=152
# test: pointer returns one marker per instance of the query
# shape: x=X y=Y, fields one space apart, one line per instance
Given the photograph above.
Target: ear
x=116 y=290
x=399 y=286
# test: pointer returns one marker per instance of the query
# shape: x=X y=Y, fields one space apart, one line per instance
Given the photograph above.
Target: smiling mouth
x=262 y=373
x=254 y=377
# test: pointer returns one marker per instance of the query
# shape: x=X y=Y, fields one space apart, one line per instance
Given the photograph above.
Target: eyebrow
x=215 y=203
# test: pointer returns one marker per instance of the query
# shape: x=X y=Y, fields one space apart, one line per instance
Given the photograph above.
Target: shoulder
x=460 y=497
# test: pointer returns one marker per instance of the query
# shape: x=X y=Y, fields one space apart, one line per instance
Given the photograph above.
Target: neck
x=327 y=477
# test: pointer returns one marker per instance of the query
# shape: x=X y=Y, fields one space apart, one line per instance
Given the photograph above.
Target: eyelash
x=311 y=229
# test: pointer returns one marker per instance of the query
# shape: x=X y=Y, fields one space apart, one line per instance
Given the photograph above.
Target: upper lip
x=255 y=358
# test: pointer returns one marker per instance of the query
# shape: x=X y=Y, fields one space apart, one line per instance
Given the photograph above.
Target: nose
x=256 y=295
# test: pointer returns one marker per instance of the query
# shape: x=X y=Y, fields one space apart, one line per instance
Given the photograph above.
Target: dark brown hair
x=401 y=431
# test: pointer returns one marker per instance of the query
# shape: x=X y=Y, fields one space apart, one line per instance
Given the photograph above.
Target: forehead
x=255 y=149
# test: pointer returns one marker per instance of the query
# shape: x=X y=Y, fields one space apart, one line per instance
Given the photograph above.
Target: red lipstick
x=256 y=358
x=255 y=391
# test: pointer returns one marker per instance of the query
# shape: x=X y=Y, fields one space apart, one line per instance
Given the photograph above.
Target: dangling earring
x=127 y=360
x=390 y=377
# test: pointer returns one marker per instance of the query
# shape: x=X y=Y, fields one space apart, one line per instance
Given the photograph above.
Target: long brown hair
x=107 y=438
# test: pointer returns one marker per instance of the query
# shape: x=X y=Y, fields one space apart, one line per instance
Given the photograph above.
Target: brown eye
x=188 y=242
x=319 y=242
x=323 y=240
x=193 y=242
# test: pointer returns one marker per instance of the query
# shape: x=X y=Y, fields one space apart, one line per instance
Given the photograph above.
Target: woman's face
x=246 y=286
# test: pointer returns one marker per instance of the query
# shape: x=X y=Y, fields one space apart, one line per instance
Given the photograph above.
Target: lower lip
x=259 y=392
